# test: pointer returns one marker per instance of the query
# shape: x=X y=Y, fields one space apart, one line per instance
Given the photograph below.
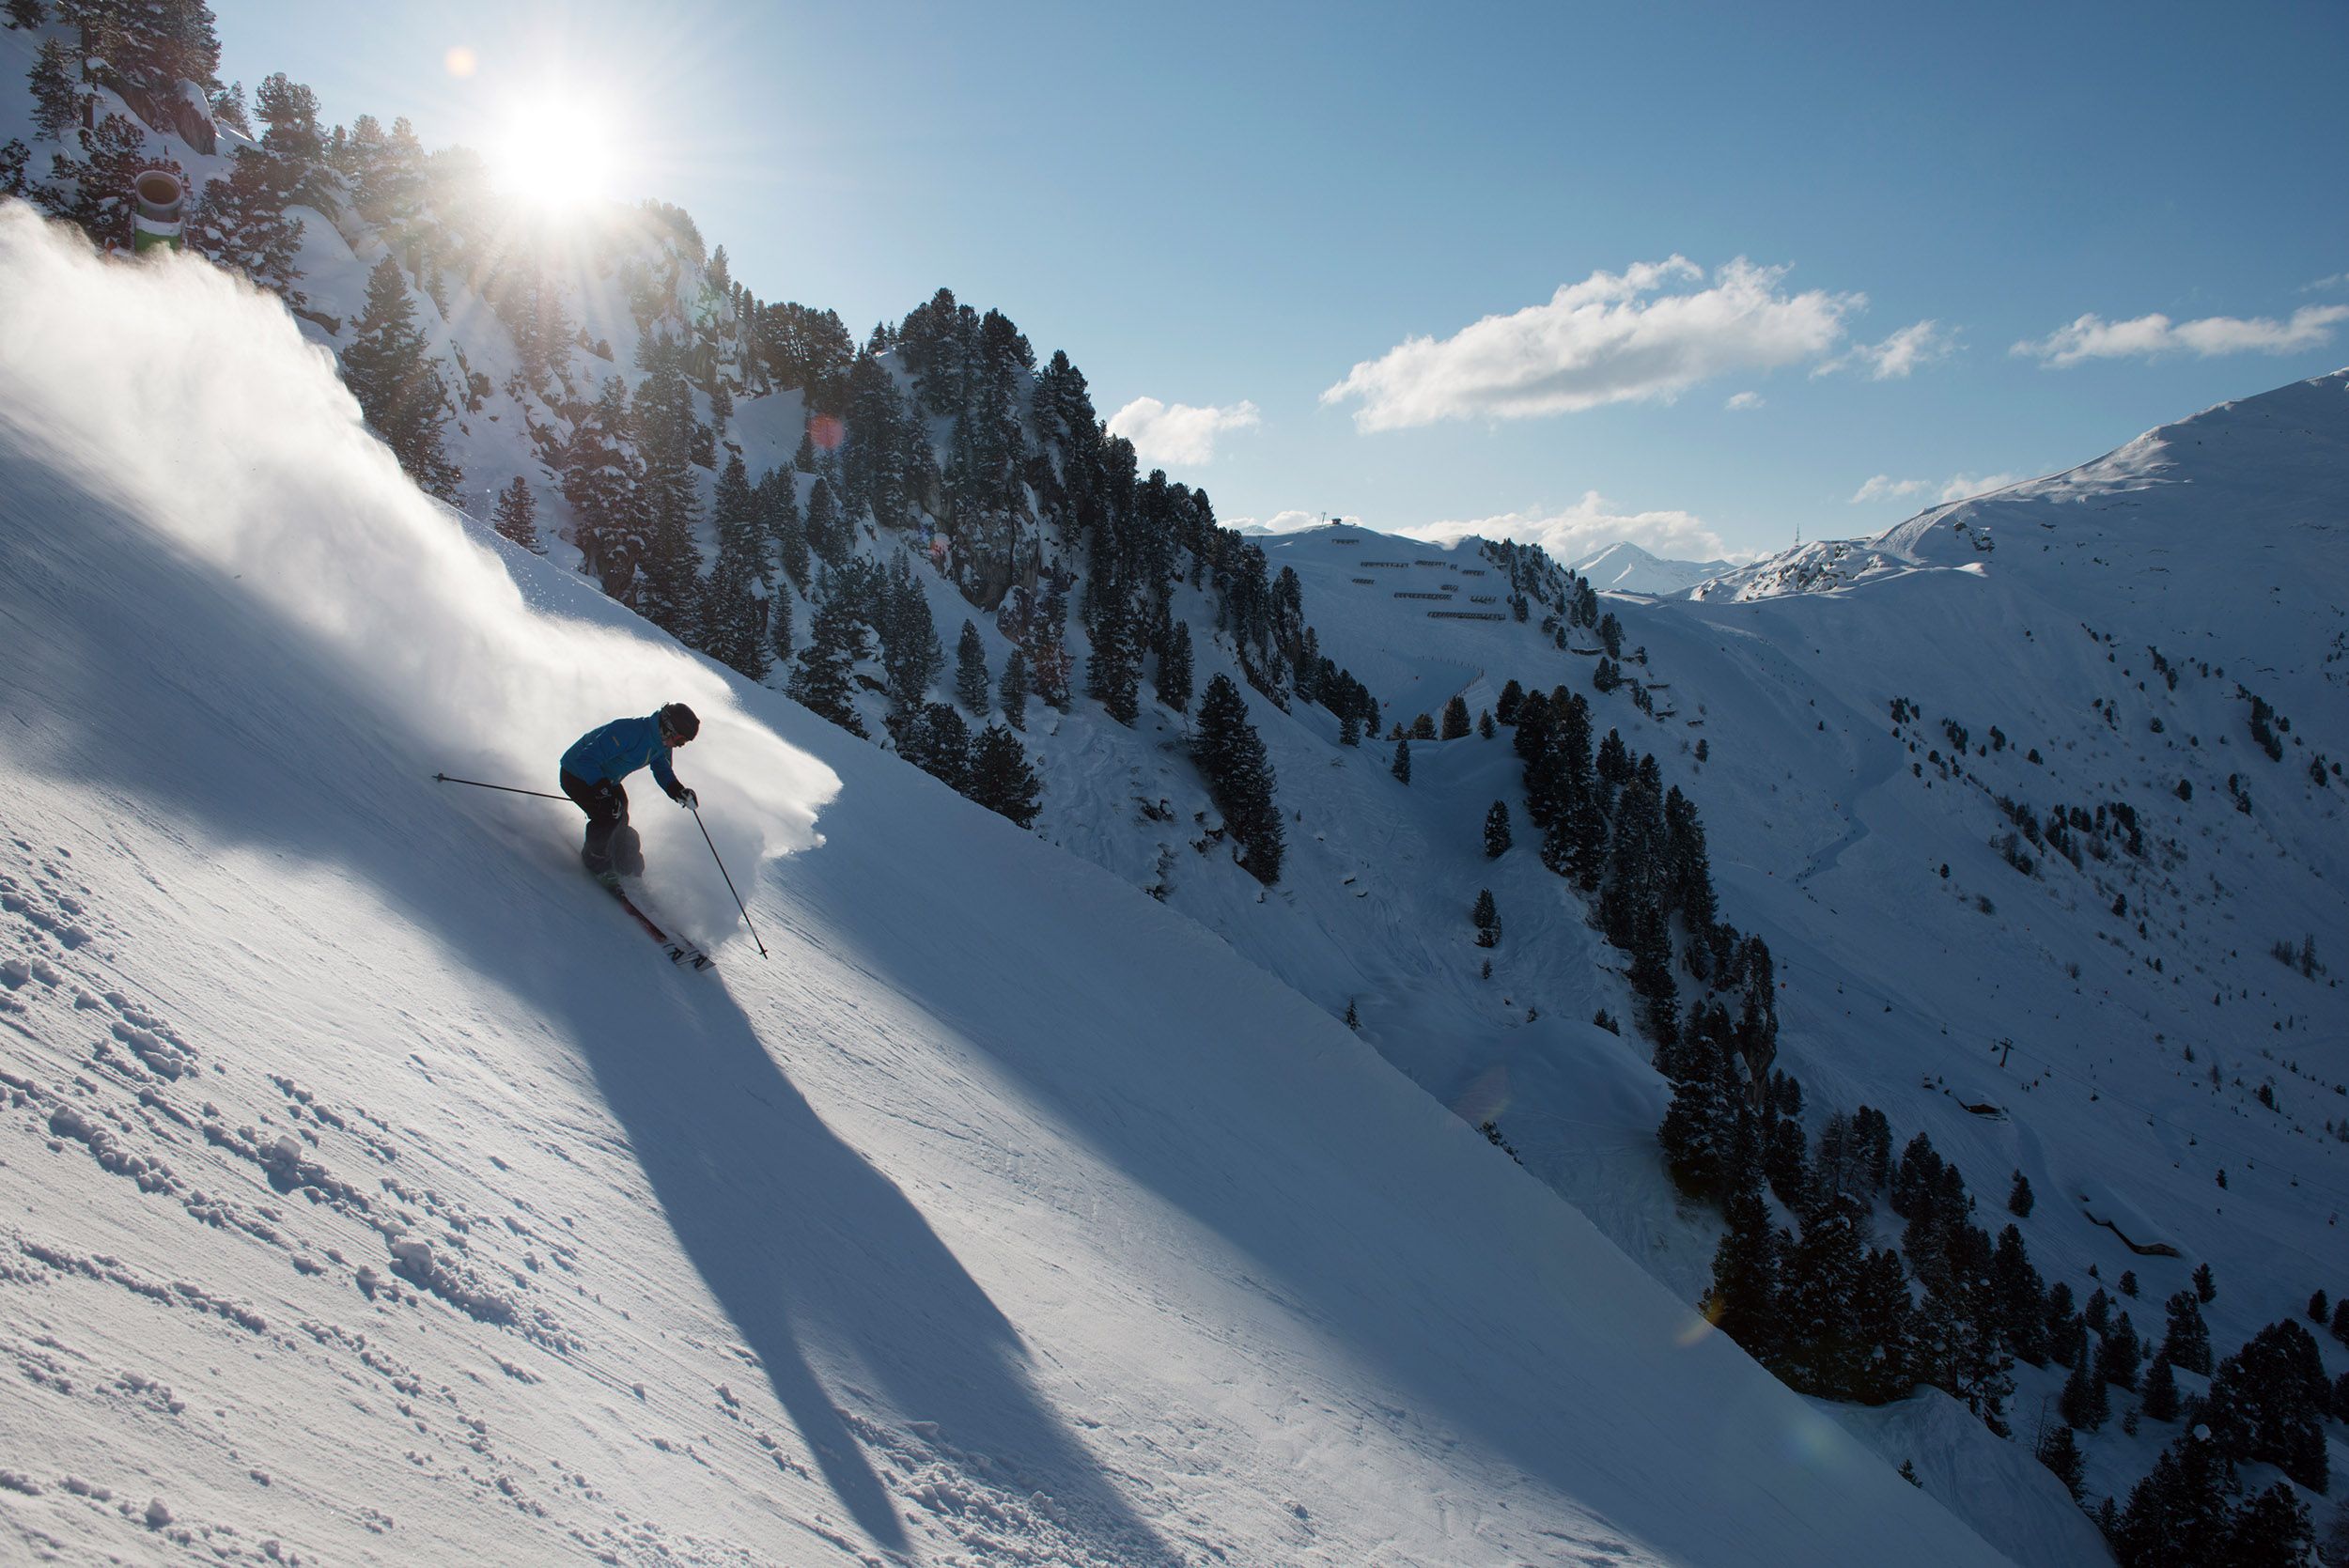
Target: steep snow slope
x=377 y=1192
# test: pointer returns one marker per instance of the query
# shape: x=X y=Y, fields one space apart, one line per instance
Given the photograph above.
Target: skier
x=591 y=775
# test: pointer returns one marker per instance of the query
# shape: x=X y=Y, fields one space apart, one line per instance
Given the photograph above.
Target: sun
x=554 y=154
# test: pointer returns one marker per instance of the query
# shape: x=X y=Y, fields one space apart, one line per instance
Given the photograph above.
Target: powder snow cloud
x=1646 y=334
x=2094 y=337
x=1589 y=526
x=1179 y=432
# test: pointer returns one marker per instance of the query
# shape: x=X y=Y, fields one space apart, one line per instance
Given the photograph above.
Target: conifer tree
x=1485 y=726
x=1113 y=672
x=2084 y=1405
x=1011 y=688
x=910 y=657
x=391 y=373
x=1743 y=1301
x=1455 y=718
x=1239 y=777
x=667 y=586
x=779 y=514
x=2177 y=1515
x=1699 y=1126
x=733 y=615
x=1825 y=1353
x=935 y=739
x=2161 y=1392
x=1506 y=708
x=1175 y=670
x=2187 y=1341
x=1401 y=766
x=241 y=223
x=1001 y=779
x=2119 y=1355
x=971 y=676
x=1487 y=919
x=2273 y=1526
x=779 y=628
x=823 y=680
x=1884 y=1320
x=828 y=532
x=59 y=96
x=2020 y=1299
x=1497 y=838
x=2019 y=1200
x=2205 y=1284
x=517 y=516
x=2268 y=1402
x=599 y=479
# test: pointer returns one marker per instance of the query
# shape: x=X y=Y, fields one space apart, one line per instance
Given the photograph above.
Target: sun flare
x=554 y=155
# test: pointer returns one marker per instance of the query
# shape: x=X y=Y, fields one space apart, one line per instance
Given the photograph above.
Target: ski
x=681 y=953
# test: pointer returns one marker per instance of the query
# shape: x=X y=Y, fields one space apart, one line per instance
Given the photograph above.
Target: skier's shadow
x=186 y=712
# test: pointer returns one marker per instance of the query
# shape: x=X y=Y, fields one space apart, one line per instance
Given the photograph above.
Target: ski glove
x=690 y=801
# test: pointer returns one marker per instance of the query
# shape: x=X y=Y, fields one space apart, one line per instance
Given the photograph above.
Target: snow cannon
x=158 y=201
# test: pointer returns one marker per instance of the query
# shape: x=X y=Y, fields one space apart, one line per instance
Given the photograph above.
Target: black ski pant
x=611 y=843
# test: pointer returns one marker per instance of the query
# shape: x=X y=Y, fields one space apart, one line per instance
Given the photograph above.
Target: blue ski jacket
x=608 y=755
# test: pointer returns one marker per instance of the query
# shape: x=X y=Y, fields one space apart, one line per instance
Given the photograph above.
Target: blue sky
x=1851 y=215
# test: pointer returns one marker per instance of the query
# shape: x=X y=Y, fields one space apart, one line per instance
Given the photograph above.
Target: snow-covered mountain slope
x=377 y=1192
x=1624 y=568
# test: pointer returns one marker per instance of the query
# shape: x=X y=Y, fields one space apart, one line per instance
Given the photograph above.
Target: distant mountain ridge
x=1624 y=568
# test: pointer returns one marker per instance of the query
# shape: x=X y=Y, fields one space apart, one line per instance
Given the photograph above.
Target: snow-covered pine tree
x=1497 y=838
x=667 y=588
x=516 y=515
x=1486 y=918
x=1825 y=1352
x=1744 y=1300
x=1000 y=778
x=1175 y=671
x=1011 y=688
x=910 y=655
x=1239 y=778
x=241 y=223
x=597 y=474
x=971 y=676
x=935 y=739
x=734 y=600
x=1455 y=718
x=2185 y=1342
x=779 y=514
x=2268 y=1402
x=1401 y=766
x=59 y=99
x=828 y=531
x=390 y=371
x=823 y=679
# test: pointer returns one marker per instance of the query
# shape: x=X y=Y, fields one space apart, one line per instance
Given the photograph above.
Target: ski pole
x=721 y=871
x=450 y=778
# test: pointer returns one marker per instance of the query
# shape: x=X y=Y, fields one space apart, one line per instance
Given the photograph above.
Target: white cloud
x=1883 y=487
x=2094 y=337
x=1897 y=355
x=1599 y=341
x=1740 y=401
x=1589 y=526
x=2336 y=281
x=1957 y=486
x=1178 y=433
